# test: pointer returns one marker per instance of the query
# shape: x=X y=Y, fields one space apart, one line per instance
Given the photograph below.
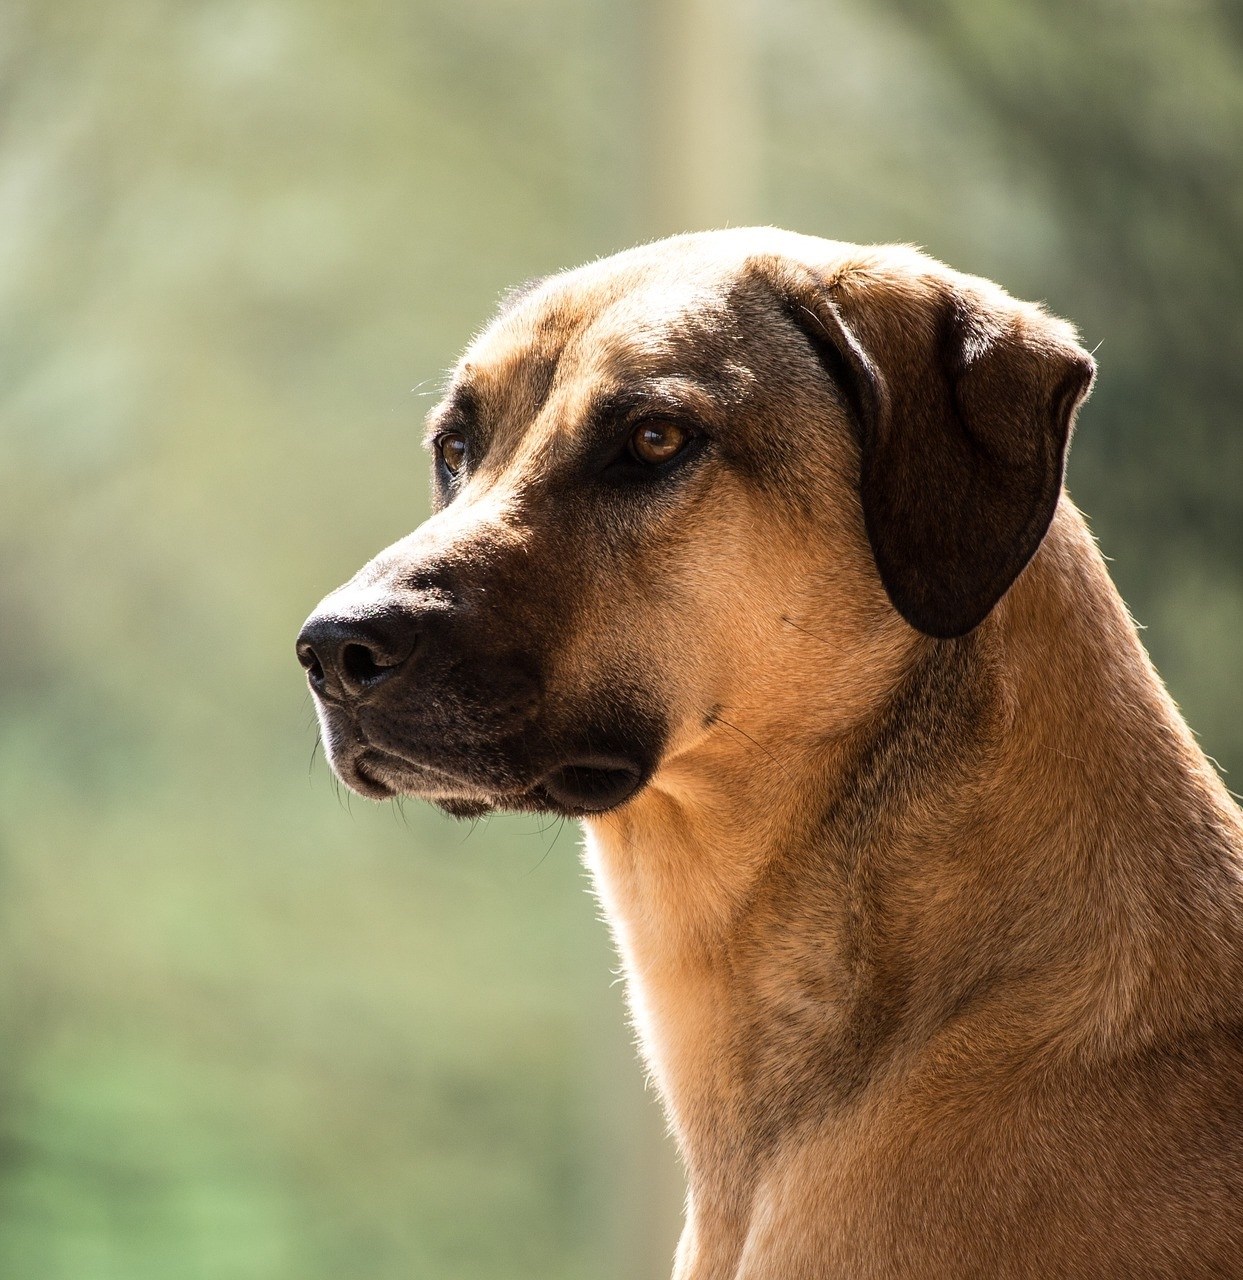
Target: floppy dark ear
x=965 y=400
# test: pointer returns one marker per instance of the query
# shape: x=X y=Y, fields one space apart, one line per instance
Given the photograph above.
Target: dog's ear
x=964 y=399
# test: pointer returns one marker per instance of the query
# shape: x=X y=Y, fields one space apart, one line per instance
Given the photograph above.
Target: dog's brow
x=459 y=411
x=612 y=413
x=679 y=397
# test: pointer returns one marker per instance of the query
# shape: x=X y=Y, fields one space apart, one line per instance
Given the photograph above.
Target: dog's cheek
x=663 y=623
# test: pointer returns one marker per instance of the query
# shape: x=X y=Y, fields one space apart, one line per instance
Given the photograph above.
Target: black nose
x=346 y=656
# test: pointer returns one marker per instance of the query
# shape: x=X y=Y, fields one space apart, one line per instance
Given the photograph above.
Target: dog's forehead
x=612 y=317
x=695 y=307
x=604 y=329
x=648 y=296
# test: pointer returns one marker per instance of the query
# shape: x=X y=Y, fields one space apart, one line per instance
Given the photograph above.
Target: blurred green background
x=250 y=1028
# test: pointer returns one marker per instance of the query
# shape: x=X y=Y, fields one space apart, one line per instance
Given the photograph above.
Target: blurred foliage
x=251 y=1029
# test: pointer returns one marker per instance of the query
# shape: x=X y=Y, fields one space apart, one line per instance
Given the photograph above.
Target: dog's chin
x=464 y=809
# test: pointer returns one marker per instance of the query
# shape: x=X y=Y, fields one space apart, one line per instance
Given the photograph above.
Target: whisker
x=758 y=745
x=549 y=849
x=828 y=644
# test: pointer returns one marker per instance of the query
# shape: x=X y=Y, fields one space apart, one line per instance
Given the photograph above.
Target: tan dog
x=752 y=549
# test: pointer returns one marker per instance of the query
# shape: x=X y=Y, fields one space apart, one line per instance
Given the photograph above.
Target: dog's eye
x=657 y=442
x=451 y=449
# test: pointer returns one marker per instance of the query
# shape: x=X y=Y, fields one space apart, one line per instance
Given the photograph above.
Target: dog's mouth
x=379 y=775
x=468 y=769
x=582 y=786
x=367 y=779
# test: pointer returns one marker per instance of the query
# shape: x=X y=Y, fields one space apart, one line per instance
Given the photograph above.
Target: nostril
x=346 y=656
x=359 y=665
x=311 y=664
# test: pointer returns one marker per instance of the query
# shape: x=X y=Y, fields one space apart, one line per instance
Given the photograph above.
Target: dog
x=752 y=551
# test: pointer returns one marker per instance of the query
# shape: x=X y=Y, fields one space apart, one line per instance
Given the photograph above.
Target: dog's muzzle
x=418 y=695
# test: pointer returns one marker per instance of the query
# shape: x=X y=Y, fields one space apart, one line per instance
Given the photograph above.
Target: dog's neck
x=966 y=855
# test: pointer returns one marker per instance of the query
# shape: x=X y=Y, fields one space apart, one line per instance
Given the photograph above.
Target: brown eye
x=656 y=442
x=452 y=450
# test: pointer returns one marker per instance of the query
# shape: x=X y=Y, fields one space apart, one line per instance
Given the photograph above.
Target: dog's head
x=660 y=481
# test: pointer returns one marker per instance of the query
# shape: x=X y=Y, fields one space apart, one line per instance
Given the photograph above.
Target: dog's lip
x=381 y=774
x=363 y=776
x=384 y=774
x=593 y=783
x=583 y=784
